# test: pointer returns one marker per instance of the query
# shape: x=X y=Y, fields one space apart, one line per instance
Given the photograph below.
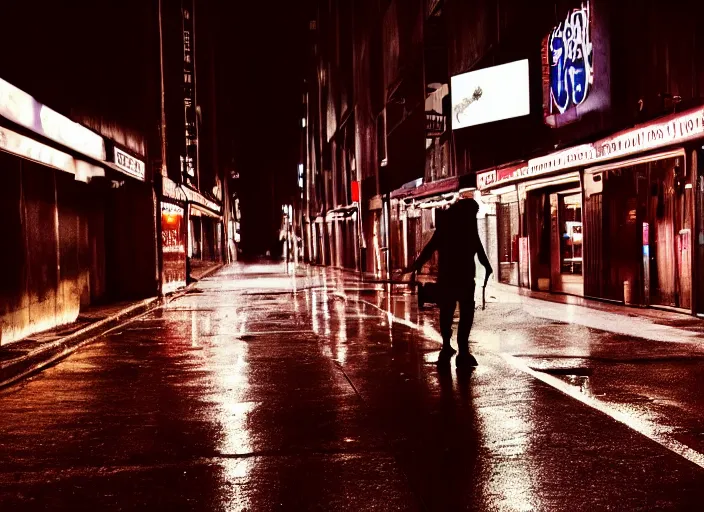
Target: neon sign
x=571 y=61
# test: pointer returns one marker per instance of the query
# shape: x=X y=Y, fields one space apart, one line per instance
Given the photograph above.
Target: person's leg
x=465 y=327
x=447 y=315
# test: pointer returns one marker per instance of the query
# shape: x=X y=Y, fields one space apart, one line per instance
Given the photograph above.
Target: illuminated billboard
x=490 y=94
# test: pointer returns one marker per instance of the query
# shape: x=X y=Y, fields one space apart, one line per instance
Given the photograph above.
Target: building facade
x=86 y=162
x=577 y=125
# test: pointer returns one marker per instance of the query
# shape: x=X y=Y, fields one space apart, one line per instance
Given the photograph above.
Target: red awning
x=434 y=188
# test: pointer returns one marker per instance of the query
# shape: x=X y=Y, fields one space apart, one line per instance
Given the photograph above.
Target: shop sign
x=21 y=108
x=490 y=178
x=509 y=173
x=674 y=129
x=486 y=179
x=570 y=61
x=129 y=164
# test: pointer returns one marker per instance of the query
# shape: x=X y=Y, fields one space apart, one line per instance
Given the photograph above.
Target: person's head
x=466 y=207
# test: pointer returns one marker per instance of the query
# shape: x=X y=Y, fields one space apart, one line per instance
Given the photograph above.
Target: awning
x=25 y=147
x=434 y=188
x=654 y=135
x=179 y=192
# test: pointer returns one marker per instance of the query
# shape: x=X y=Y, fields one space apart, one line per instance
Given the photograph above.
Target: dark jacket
x=457 y=241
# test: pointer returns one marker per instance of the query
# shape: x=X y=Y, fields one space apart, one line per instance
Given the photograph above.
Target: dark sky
x=262 y=49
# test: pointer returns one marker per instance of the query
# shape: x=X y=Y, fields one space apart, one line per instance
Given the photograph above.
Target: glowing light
x=21 y=108
x=490 y=94
x=571 y=61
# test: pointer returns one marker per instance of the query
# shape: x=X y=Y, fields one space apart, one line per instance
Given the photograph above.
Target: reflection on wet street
x=261 y=390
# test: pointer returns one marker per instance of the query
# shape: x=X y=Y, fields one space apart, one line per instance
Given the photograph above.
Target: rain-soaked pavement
x=262 y=392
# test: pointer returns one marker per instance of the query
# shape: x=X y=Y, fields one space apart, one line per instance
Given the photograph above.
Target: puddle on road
x=574 y=372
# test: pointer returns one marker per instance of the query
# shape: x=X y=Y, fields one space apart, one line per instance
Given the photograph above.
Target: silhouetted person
x=457 y=241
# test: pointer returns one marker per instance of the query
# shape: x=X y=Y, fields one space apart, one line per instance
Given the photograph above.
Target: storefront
x=78 y=219
x=343 y=237
x=614 y=219
x=192 y=233
x=640 y=218
x=173 y=246
x=417 y=208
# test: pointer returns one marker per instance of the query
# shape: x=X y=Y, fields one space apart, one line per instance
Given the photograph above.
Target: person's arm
x=424 y=256
x=483 y=259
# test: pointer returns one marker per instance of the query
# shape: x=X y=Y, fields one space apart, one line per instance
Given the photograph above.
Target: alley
x=257 y=390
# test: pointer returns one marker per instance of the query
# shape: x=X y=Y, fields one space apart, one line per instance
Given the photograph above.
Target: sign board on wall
x=668 y=131
x=129 y=164
x=576 y=57
x=570 y=61
x=490 y=94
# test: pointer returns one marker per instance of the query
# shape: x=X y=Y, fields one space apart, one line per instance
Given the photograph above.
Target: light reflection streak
x=505 y=429
x=232 y=409
x=360 y=319
x=314 y=312
x=326 y=314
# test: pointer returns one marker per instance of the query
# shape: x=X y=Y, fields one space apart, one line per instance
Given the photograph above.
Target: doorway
x=554 y=217
x=667 y=232
x=566 y=211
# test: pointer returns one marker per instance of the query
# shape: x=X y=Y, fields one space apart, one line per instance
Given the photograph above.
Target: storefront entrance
x=639 y=226
x=554 y=218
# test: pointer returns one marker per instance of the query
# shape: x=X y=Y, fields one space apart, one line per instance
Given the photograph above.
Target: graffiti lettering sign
x=570 y=59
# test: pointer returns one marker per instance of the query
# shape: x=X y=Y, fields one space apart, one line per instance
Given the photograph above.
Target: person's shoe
x=466 y=360
x=448 y=351
x=445 y=356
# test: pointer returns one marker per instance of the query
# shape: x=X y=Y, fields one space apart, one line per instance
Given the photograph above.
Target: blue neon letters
x=571 y=61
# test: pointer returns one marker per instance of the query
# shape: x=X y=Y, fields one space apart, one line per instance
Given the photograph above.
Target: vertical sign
x=188 y=161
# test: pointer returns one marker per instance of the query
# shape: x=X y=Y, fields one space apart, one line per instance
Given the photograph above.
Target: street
x=258 y=390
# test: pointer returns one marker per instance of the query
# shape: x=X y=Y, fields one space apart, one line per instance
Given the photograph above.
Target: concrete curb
x=49 y=353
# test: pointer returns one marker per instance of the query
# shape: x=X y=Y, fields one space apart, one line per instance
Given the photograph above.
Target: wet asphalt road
x=251 y=395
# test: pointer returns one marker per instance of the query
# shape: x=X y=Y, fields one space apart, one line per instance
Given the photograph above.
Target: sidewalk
x=34 y=353
x=27 y=356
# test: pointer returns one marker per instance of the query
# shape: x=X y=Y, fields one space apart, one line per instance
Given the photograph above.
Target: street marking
x=644 y=428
